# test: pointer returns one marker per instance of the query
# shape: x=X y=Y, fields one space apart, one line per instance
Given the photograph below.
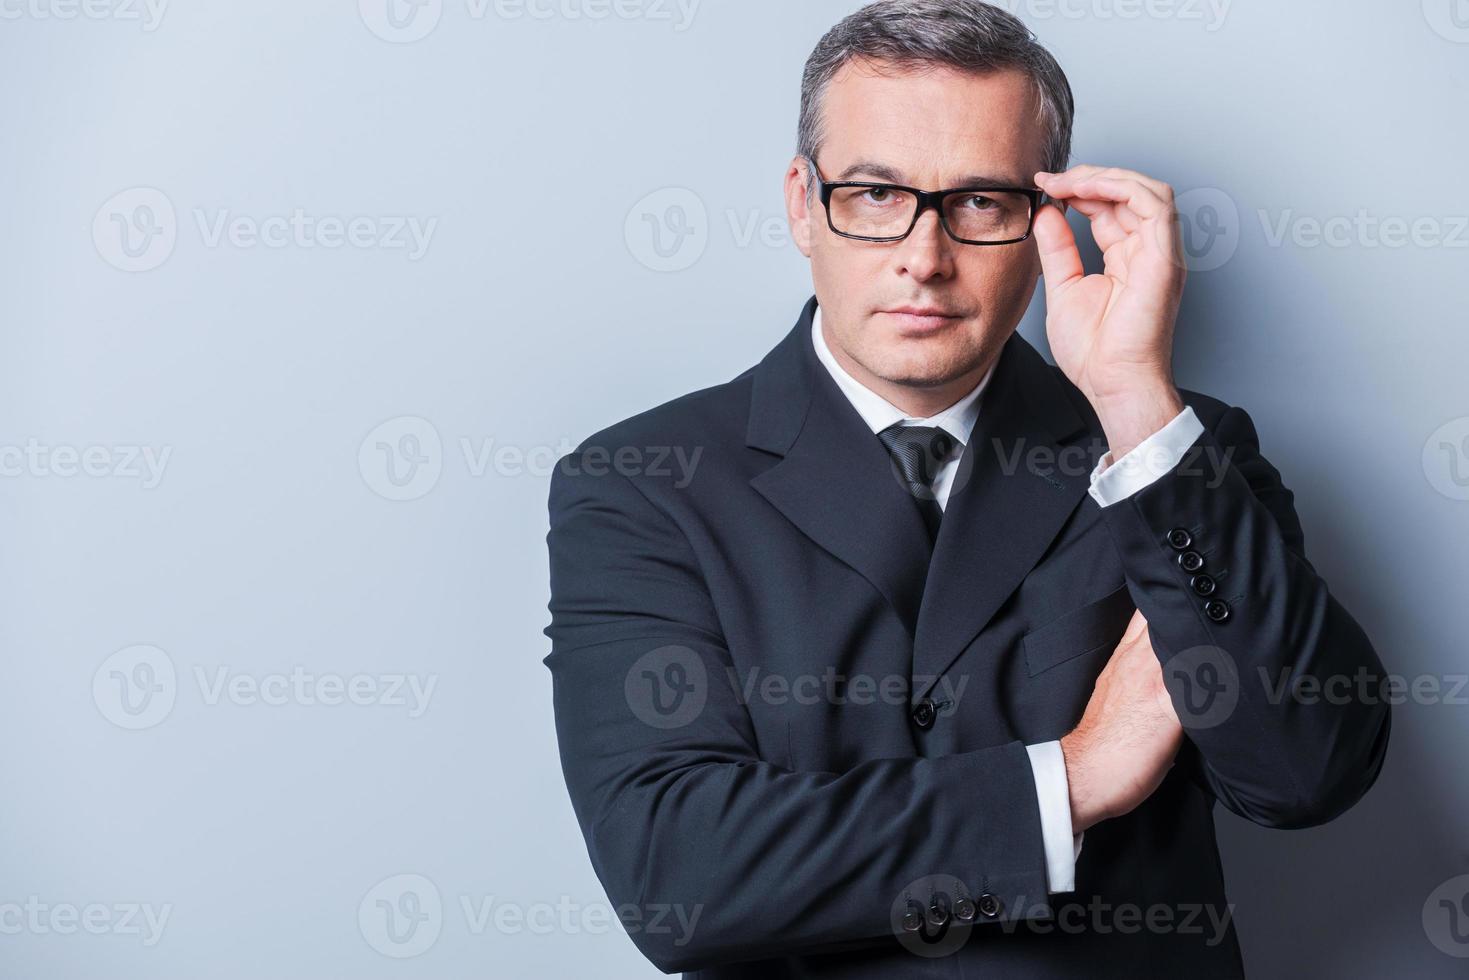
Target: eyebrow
x=885 y=173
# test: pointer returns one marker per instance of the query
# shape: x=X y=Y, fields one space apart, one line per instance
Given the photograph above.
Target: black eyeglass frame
x=926 y=200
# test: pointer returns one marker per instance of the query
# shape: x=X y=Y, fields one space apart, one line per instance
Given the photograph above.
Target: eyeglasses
x=873 y=212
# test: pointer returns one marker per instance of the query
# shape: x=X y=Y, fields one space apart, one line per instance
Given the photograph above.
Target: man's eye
x=977 y=202
x=879 y=195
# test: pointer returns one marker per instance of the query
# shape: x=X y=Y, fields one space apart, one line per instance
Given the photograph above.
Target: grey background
x=269 y=542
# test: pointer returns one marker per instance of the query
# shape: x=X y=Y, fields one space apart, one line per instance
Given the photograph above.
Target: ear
x=798 y=212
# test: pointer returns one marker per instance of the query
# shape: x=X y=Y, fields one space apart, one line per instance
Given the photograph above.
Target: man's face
x=931 y=129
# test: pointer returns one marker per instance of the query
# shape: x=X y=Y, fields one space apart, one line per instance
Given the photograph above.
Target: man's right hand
x=1128 y=735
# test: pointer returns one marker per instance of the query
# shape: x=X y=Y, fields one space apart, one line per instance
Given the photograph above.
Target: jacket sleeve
x=683 y=819
x=1277 y=687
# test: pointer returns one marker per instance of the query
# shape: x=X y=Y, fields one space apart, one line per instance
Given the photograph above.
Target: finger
x=1118 y=213
x=1082 y=170
x=1139 y=197
x=1060 y=261
x=1158 y=187
x=1059 y=184
x=1108 y=227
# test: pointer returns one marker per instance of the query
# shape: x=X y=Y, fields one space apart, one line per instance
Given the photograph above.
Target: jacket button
x=1179 y=538
x=989 y=905
x=1217 y=610
x=1202 y=584
x=1191 y=561
x=912 y=918
x=923 y=713
x=964 y=909
x=938 y=910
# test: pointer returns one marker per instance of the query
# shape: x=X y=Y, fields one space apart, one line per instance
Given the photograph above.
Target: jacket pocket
x=1097 y=624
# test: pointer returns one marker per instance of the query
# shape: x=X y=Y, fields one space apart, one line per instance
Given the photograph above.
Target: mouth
x=919 y=320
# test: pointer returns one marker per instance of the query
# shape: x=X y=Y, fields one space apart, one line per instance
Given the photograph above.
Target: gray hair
x=964 y=34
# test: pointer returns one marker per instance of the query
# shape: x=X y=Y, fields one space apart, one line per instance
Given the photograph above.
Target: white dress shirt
x=1110 y=483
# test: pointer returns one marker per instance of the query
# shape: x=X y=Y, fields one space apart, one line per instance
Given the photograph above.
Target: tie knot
x=917 y=451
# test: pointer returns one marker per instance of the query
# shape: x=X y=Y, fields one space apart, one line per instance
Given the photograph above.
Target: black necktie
x=918 y=451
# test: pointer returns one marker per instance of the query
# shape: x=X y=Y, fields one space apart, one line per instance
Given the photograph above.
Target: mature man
x=910 y=677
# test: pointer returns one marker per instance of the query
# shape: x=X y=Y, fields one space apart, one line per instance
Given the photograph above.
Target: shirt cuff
x=1048 y=766
x=1157 y=454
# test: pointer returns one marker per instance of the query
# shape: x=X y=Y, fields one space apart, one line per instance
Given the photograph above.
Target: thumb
x=1060 y=260
x=1135 y=626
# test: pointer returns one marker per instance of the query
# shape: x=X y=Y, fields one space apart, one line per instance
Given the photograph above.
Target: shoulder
x=670 y=452
x=708 y=416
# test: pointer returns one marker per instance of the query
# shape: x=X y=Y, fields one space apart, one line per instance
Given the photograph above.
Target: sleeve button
x=1179 y=538
x=1217 y=610
x=923 y=713
x=989 y=905
x=1202 y=584
x=1191 y=561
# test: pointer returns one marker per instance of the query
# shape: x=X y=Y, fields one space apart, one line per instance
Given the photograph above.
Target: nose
x=928 y=251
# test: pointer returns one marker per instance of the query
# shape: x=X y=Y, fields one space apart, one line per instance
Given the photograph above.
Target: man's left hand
x=1112 y=332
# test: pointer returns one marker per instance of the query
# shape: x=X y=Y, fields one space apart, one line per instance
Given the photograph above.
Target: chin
x=922 y=364
x=916 y=375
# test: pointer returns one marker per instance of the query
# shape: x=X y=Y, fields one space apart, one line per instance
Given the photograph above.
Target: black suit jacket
x=795 y=740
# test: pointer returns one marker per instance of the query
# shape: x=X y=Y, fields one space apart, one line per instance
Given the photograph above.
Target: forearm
x=1233 y=658
x=767 y=862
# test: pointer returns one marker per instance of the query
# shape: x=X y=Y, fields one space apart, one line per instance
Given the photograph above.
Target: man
x=907 y=676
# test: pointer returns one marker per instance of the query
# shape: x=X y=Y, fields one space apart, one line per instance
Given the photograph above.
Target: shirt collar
x=957 y=420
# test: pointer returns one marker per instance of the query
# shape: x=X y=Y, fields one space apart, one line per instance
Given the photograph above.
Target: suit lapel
x=835 y=482
x=1010 y=498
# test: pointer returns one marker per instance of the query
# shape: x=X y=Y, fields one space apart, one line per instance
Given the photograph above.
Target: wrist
x=1083 y=813
x=1132 y=416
